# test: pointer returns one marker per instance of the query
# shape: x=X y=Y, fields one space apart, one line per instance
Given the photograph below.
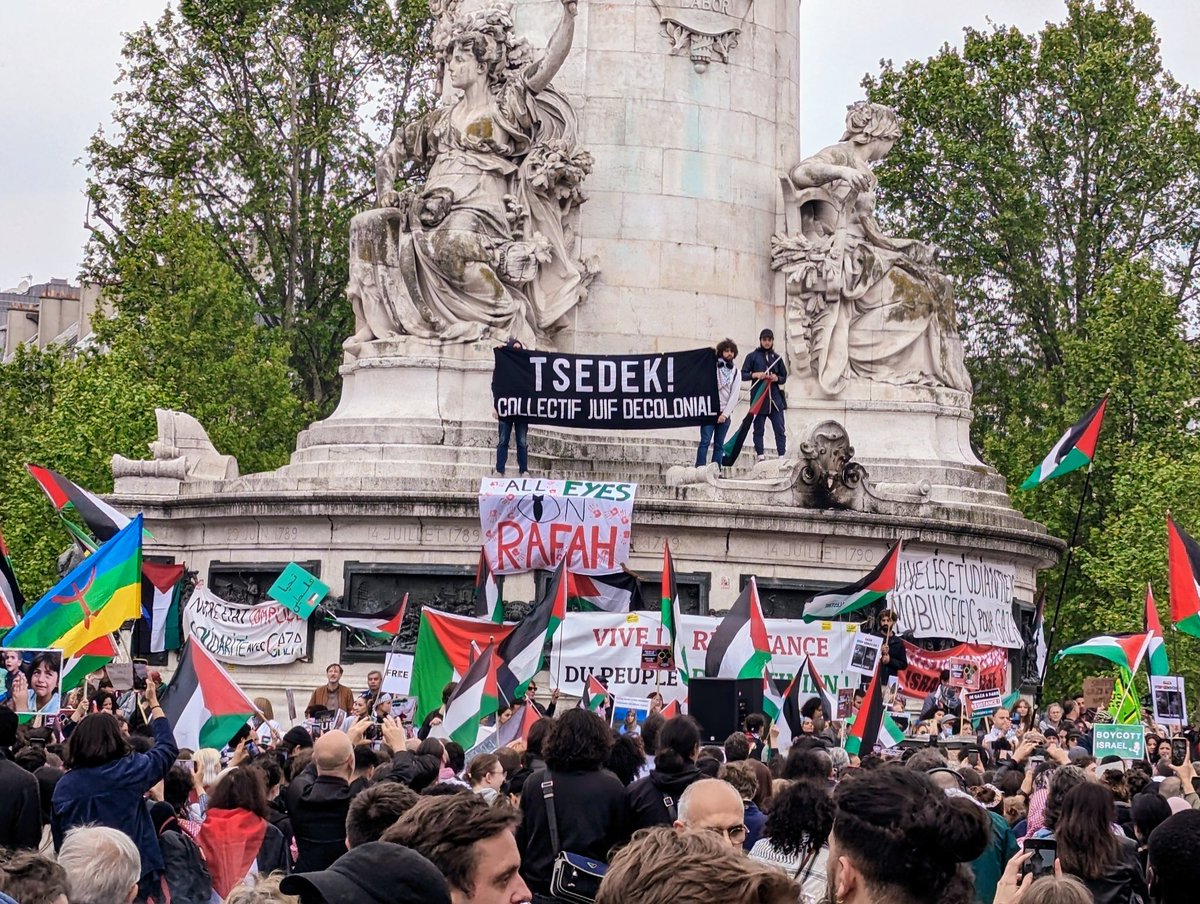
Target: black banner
x=607 y=392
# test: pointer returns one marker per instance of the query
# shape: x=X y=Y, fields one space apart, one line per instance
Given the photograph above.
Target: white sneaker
x=761 y=458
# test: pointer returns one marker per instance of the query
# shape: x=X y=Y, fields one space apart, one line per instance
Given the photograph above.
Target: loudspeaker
x=721 y=705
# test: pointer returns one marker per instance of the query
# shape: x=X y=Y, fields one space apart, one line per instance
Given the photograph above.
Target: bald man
x=715 y=806
x=318 y=801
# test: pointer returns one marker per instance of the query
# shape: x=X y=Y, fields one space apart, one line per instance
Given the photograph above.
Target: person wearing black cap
x=509 y=426
x=377 y=872
x=765 y=364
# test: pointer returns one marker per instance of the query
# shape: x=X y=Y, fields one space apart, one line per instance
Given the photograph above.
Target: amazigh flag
x=618 y=591
x=488 y=603
x=865 y=728
x=1183 y=566
x=739 y=648
x=382 y=625
x=93 y=657
x=1126 y=650
x=518 y=725
x=205 y=706
x=874 y=587
x=1074 y=449
x=1156 y=653
x=101 y=518
x=161 y=589
x=670 y=614
x=475 y=699
x=11 y=601
x=733 y=446
x=443 y=653
x=594 y=694
x=521 y=652
x=98 y=596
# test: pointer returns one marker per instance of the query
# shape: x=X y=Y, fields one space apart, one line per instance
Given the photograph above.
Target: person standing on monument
x=765 y=364
x=729 y=385
x=333 y=695
x=510 y=426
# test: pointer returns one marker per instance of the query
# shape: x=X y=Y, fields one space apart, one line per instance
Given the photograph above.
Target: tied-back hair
x=241 y=788
x=1087 y=846
x=96 y=740
x=677 y=744
x=481 y=766
x=907 y=838
x=579 y=741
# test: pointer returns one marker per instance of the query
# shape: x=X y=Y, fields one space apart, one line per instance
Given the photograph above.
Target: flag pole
x=1062 y=585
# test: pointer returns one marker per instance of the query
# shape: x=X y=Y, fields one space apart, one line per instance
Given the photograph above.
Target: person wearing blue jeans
x=509 y=426
x=729 y=383
x=764 y=364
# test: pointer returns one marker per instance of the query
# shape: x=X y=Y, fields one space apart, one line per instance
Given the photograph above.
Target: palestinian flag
x=474 y=700
x=594 y=694
x=618 y=591
x=488 y=603
x=101 y=518
x=160 y=604
x=670 y=614
x=733 y=446
x=98 y=596
x=443 y=653
x=772 y=698
x=739 y=648
x=828 y=700
x=205 y=705
x=789 y=719
x=11 y=600
x=382 y=626
x=865 y=728
x=890 y=734
x=1156 y=653
x=93 y=657
x=874 y=587
x=1074 y=449
x=518 y=725
x=1125 y=650
x=521 y=652
x=671 y=710
x=1183 y=566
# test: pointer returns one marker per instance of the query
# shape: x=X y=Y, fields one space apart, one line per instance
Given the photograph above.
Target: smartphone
x=1045 y=850
x=139 y=674
x=1179 y=751
x=252 y=749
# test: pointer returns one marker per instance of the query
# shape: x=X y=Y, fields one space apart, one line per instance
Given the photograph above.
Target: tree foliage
x=1060 y=173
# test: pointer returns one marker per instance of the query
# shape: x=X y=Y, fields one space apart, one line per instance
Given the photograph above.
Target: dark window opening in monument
x=693 y=589
x=787 y=597
x=372 y=587
x=248 y=583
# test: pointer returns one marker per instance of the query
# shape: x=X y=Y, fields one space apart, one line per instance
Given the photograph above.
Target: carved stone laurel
x=703 y=29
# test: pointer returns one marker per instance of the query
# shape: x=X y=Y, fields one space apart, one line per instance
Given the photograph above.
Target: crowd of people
x=580 y=810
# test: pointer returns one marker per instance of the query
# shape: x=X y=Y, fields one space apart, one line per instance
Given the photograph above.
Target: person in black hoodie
x=186 y=877
x=589 y=802
x=653 y=800
x=20 y=801
x=420 y=768
x=318 y=800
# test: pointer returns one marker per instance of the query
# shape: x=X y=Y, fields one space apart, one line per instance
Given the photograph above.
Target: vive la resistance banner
x=607 y=392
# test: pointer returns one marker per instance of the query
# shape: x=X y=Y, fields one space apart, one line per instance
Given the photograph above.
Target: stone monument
x=610 y=177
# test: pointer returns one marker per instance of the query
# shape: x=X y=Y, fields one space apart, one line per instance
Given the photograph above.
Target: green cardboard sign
x=298 y=590
x=1126 y=741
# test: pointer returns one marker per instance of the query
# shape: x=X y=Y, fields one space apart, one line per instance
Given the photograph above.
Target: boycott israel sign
x=1126 y=741
x=267 y=634
x=607 y=392
x=610 y=645
x=965 y=597
x=532 y=523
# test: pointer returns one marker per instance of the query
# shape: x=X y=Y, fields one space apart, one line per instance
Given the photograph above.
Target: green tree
x=266 y=116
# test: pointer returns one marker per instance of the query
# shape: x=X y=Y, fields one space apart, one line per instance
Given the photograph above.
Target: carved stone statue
x=485 y=246
x=828 y=475
x=862 y=304
x=182 y=451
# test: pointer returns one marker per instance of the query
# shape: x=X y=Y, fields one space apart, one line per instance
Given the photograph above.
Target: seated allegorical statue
x=484 y=246
x=862 y=304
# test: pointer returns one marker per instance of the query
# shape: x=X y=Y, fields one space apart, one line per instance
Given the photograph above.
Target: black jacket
x=277 y=816
x=187 y=875
x=417 y=770
x=648 y=797
x=592 y=817
x=759 y=360
x=20 y=807
x=897 y=659
x=1123 y=880
x=318 y=805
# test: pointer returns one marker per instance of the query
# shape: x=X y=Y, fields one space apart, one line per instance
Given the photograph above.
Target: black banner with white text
x=607 y=392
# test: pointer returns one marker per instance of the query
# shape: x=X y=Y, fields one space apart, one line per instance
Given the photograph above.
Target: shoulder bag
x=575 y=878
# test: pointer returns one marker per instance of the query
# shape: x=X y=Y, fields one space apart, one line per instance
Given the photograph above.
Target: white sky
x=59 y=60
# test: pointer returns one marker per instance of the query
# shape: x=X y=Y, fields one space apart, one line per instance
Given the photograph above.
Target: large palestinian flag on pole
x=522 y=651
x=1125 y=650
x=732 y=449
x=488 y=602
x=1183 y=565
x=864 y=730
x=1156 y=653
x=739 y=648
x=383 y=625
x=161 y=591
x=874 y=587
x=101 y=518
x=11 y=600
x=93 y=657
x=475 y=699
x=205 y=705
x=443 y=653
x=1075 y=449
x=670 y=615
x=617 y=591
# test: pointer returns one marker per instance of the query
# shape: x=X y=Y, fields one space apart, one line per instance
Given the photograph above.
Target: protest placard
x=628 y=714
x=1097 y=692
x=985 y=701
x=299 y=590
x=1126 y=741
x=397 y=674
x=1170 y=705
x=964 y=673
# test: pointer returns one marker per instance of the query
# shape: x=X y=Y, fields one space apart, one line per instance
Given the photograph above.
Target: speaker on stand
x=721 y=705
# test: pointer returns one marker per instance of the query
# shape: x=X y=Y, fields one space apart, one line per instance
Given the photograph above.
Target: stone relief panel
x=704 y=30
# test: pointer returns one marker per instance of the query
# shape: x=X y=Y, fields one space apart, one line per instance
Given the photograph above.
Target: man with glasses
x=713 y=805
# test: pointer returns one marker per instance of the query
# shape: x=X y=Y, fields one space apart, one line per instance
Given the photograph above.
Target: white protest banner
x=610 y=645
x=267 y=634
x=397 y=674
x=529 y=524
x=968 y=598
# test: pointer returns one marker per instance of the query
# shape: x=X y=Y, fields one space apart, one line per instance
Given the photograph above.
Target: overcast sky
x=60 y=57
